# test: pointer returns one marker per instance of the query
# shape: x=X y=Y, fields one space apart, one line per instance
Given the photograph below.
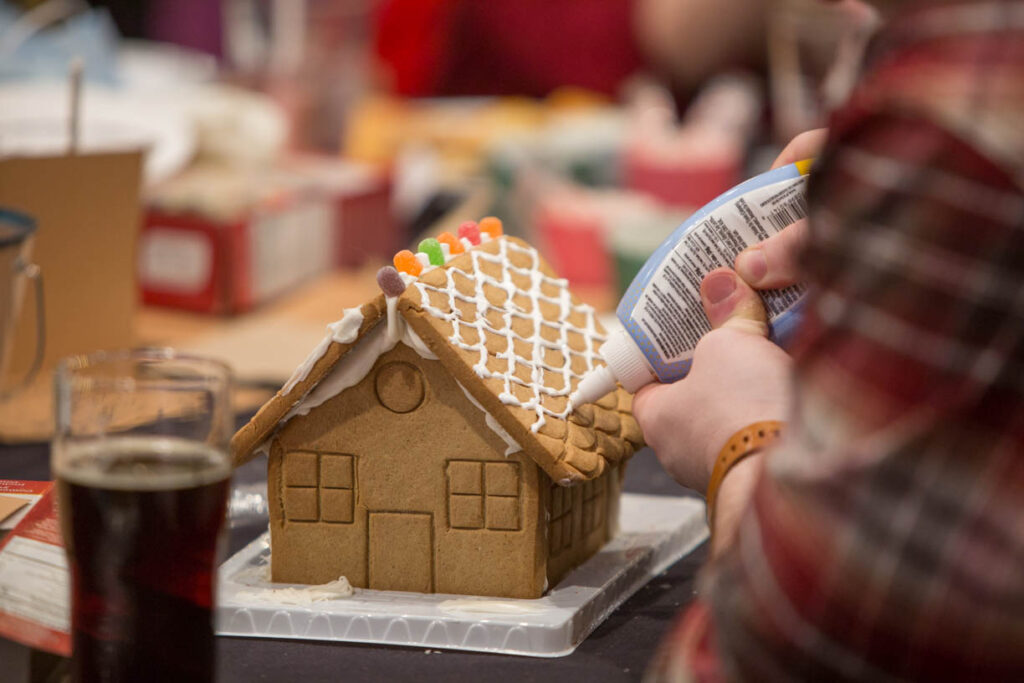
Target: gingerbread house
x=428 y=444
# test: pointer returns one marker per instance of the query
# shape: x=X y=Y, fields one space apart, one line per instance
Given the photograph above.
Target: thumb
x=775 y=262
x=730 y=302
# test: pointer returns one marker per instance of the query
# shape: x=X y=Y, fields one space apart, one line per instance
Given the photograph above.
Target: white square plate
x=655 y=532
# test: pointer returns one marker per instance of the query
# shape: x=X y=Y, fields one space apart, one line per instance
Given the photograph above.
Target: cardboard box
x=87 y=207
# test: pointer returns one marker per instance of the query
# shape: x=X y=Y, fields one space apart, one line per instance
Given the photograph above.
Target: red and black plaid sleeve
x=886 y=539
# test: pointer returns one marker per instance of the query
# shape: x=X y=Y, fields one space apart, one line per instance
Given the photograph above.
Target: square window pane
x=336 y=471
x=300 y=505
x=465 y=477
x=502 y=513
x=502 y=478
x=465 y=512
x=555 y=537
x=336 y=505
x=300 y=469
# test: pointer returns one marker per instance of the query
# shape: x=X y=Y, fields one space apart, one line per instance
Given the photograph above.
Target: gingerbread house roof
x=514 y=337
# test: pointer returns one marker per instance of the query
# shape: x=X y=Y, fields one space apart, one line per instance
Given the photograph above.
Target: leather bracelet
x=748 y=441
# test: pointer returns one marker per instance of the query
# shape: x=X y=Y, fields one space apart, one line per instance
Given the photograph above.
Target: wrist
x=744 y=443
x=734 y=497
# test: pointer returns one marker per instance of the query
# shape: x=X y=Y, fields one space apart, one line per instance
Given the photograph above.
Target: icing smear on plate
x=338 y=589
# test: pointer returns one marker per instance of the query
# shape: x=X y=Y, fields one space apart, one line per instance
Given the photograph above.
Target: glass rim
x=68 y=368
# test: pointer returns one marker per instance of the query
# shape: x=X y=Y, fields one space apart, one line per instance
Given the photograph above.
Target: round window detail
x=400 y=386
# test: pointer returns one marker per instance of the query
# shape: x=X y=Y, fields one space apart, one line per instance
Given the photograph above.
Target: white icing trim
x=356 y=364
x=343 y=331
x=394 y=331
x=513 y=445
x=262 y=449
x=509 y=310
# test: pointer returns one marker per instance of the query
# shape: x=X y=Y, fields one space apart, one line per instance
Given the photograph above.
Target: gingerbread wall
x=398 y=483
x=581 y=520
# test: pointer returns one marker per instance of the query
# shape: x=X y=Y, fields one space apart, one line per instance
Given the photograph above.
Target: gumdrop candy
x=470 y=231
x=454 y=245
x=432 y=248
x=492 y=226
x=407 y=262
x=390 y=282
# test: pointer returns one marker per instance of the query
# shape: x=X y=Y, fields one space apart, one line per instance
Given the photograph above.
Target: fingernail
x=718 y=287
x=751 y=265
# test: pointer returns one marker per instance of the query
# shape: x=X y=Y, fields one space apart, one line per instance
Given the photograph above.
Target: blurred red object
x=527 y=47
x=573 y=241
x=684 y=184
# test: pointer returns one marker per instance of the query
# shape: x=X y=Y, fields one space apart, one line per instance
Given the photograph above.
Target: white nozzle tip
x=595 y=384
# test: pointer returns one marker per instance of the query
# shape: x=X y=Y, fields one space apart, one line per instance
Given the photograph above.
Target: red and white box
x=224 y=240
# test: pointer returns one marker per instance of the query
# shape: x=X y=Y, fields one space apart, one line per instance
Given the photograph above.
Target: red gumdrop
x=470 y=231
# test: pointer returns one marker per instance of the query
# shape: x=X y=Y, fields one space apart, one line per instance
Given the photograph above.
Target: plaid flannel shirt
x=885 y=538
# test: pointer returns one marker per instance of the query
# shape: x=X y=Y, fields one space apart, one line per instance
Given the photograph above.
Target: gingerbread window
x=319 y=487
x=483 y=495
x=560 y=536
x=594 y=504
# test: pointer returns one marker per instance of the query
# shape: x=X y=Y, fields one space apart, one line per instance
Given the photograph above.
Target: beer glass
x=141 y=462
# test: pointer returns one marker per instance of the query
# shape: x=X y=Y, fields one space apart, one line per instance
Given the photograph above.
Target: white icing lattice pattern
x=510 y=310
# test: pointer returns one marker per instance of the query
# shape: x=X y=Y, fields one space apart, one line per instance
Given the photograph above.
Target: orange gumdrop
x=406 y=262
x=491 y=225
x=454 y=245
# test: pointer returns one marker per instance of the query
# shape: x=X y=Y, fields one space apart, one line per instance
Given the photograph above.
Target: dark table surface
x=617 y=650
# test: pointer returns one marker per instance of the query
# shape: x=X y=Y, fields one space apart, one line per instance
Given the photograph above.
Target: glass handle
x=33 y=272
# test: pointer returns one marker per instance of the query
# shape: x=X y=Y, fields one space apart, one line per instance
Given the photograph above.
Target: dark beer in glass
x=142 y=509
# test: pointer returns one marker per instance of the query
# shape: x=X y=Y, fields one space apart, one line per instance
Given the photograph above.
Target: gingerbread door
x=401 y=551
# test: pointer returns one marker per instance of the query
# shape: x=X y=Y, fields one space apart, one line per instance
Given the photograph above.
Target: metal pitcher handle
x=33 y=272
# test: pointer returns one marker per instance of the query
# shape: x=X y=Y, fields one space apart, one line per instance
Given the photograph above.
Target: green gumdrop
x=432 y=248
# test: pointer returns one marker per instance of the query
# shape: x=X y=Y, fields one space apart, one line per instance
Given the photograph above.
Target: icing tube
x=661 y=312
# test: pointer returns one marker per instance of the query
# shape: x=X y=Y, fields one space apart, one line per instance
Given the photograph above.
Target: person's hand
x=773 y=263
x=737 y=377
x=807 y=145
